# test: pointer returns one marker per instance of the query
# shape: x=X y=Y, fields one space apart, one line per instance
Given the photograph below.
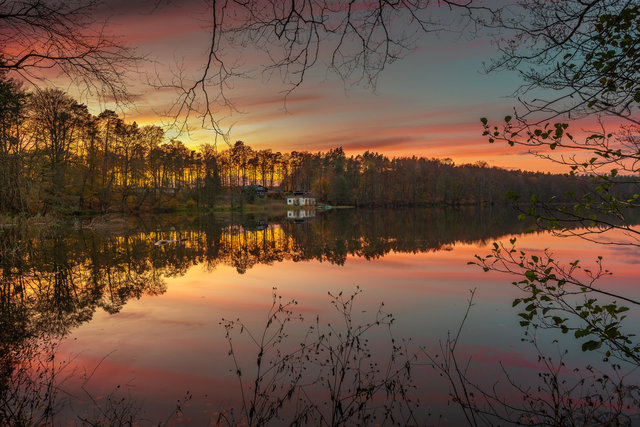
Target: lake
x=123 y=319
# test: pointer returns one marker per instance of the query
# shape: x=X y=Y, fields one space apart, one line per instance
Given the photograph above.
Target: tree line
x=55 y=156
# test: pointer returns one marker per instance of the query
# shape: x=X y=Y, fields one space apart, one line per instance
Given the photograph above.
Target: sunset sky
x=427 y=104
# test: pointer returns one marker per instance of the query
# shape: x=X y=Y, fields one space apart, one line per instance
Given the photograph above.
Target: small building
x=260 y=190
x=301 y=201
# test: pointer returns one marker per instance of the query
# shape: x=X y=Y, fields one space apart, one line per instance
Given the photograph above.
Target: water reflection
x=55 y=278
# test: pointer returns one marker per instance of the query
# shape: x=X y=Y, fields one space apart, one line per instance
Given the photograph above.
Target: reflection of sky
x=162 y=346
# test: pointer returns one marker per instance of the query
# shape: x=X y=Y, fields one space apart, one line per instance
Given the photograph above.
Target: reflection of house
x=301 y=201
x=301 y=213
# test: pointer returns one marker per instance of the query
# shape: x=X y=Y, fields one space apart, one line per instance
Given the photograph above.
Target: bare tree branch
x=355 y=40
x=67 y=37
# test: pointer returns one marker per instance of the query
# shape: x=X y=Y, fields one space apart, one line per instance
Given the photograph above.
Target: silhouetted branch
x=356 y=40
x=41 y=35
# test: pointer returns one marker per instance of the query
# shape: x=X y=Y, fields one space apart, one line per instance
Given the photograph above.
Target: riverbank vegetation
x=58 y=158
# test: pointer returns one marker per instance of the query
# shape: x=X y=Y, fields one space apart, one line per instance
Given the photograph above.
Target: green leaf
x=484 y=121
x=512 y=195
x=581 y=333
x=591 y=345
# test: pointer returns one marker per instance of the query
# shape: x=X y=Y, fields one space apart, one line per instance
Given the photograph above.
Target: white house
x=301 y=201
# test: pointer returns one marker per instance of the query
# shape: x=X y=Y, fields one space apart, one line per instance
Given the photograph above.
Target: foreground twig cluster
x=331 y=377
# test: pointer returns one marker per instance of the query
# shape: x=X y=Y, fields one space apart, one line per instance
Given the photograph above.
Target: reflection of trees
x=55 y=279
x=52 y=281
x=372 y=234
x=365 y=233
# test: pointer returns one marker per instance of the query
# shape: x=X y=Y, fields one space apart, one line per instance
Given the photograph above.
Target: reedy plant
x=332 y=376
x=562 y=396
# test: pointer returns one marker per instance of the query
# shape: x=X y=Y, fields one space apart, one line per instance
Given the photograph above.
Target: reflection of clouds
x=108 y=281
x=181 y=322
x=166 y=350
x=570 y=247
x=624 y=254
x=493 y=356
x=129 y=315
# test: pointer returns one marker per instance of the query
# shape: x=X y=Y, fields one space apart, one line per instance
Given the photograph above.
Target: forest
x=58 y=158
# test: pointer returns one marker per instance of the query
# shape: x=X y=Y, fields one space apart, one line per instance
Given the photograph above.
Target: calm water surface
x=135 y=305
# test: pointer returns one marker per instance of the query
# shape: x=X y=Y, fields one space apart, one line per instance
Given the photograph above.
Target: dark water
x=131 y=307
